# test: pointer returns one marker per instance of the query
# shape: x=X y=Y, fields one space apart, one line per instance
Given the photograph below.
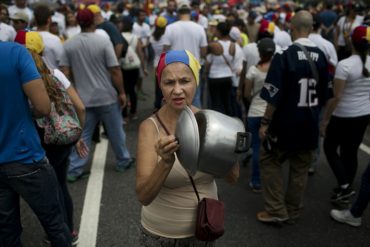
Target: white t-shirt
x=72 y=31
x=282 y=39
x=14 y=9
x=258 y=105
x=343 y=25
x=326 y=47
x=219 y=67
x=157 y=48
x=142 y=31
x=7 y=32
x=102 y=33
x=62 y=78
x=53 y=48
x=186 y=35
x=203 y=21
x=355 y=100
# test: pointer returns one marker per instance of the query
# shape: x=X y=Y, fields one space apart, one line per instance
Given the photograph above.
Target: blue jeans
x=363 y=197
x=254 y=124
x=112 y=120
x=37 y=185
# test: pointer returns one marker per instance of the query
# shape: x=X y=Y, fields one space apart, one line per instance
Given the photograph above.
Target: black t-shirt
x=290 y=86
x=114 y=35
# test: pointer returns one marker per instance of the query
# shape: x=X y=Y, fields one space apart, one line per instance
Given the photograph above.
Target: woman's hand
x=82 y=149
x=166 y=148
x=263 y=132
x=233 y=175
x=323 y=125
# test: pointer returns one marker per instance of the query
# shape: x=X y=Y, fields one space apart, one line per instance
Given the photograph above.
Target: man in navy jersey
x=289 y=129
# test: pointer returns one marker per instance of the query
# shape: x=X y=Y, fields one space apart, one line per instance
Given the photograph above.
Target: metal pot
x=210 y=141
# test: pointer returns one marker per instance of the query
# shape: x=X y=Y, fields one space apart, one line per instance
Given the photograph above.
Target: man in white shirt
x=7 y=32
x=142 y=29
x=186 y=35
x=53 y=45
x=325 y=46
x=331 y=56
x=21 y=5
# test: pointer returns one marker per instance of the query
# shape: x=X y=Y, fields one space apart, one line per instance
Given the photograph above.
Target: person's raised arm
x=151 y=172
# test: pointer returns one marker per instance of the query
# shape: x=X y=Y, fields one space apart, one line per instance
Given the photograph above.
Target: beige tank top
x=172 y=214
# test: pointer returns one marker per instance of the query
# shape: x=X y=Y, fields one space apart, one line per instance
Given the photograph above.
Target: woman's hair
x=265 y=58
x=223 y=28
x=362 y=50
x=158 y=32
x=54 y=94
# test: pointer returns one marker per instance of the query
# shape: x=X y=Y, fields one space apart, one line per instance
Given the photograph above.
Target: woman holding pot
x=162 y=185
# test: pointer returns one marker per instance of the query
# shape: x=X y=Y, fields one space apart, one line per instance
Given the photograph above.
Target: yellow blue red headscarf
x=181 y=56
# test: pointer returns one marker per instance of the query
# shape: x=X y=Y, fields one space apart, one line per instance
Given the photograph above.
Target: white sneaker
x=345 y=216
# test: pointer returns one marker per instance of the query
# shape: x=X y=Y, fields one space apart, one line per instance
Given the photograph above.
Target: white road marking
x=90 y=213
x=365 y=148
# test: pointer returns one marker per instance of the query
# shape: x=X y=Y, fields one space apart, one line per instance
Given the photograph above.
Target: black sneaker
x=343 y=194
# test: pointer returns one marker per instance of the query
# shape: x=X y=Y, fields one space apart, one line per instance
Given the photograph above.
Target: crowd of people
x=293 y=73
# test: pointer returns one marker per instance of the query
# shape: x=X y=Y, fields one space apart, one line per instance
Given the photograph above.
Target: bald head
x=302 y=22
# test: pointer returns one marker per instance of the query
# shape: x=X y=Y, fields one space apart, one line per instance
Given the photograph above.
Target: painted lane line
x=365 y=148
x=91 y=209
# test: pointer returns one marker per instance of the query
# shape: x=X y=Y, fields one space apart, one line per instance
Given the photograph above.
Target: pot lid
x=188 y=136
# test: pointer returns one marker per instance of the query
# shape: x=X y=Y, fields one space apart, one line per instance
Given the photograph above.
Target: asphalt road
x=119 y=211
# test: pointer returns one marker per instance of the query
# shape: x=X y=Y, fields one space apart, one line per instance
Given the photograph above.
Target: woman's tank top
x=172 y=214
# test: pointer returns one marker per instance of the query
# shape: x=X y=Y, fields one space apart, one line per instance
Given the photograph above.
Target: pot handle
x=243 y=142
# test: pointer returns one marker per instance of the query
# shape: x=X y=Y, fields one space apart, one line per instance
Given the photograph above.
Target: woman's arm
x=151 y=173
x=338 y=88
x=78 y=104
x=248 y=89
x=139 y=51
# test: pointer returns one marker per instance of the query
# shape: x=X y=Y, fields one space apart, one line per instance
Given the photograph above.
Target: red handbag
x=210 y=217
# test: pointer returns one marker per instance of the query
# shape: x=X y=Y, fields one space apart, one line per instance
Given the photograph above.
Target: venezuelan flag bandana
x=31 y=40
x=181 y=56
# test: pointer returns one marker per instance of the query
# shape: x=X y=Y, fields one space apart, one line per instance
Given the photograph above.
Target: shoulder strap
x=155 y=124
x=312 y=64
x=168 y=133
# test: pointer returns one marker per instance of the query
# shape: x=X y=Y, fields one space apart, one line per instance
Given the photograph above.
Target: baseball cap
x=161 y=22
x=94 y=8
x=361 y=35
x=235 y=33
x=20 y=16
x=85 y=17
x=183 y=4
x=31 y=40
x=266 y=46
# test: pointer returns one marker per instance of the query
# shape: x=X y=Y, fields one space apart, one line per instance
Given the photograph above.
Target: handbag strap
x=168 y=133
x=309 y=59
x=227 y=62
